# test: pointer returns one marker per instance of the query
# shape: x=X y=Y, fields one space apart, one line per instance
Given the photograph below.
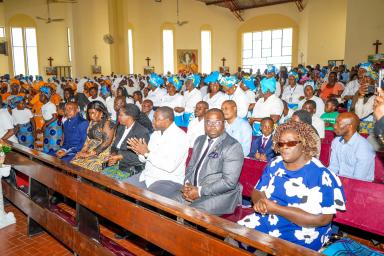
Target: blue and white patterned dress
x=313 y=188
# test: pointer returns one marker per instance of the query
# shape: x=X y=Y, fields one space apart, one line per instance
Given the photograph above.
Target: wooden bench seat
x=156 y=224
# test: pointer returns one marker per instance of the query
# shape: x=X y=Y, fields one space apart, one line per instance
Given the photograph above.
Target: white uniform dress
x=156 y=96
x=242 y=102
x=216 y=101
x=292 y=94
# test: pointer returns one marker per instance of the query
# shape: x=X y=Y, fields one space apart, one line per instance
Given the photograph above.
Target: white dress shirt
x=242 y=102
x=216 y=101
x=191 y=99
x=125 y=134
x=251 y=96
x=167 y=155
x=195 y=129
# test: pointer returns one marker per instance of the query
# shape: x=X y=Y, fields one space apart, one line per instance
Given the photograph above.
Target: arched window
x=206 y=51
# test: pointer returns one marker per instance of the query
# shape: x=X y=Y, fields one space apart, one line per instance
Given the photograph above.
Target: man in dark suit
x=128 y=128
x=212 y=176
x=261 y=148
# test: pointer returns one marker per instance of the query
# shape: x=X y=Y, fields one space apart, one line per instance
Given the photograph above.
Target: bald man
x=237 y=127
x=351 y=156
x=75 y=132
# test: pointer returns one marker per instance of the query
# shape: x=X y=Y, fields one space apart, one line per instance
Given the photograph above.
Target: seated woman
x=124 y=162
x=99 y=138
x=296 y=196
x=52 y=128
x=23 y=121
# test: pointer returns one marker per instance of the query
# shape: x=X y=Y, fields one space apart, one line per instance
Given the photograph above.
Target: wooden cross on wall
x=148 y=59
x=377 y=44
x=95 y=58
x=50 y=59
x=223 y=60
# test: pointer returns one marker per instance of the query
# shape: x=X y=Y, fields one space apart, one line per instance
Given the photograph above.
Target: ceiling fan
x=178 y=22
x=49 y=19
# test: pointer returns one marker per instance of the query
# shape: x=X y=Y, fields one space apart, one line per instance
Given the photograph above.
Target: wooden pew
x=47 y=172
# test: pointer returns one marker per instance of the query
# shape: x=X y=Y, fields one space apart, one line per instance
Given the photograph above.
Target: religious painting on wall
x=148 y=70
x=51 y=71
x=187 y=61
x=96 y=69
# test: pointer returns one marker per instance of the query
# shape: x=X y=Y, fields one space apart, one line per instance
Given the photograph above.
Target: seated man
x=75 y=132
x=317 y=122
x=196 y=126
x=212 y=177
x=237 y=127
x=164 y=156
x=147 y=108
x=351 y=154
x=261 y=148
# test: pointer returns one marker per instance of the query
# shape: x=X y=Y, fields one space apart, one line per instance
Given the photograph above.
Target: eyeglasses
x=288 y=144
x=213 y=123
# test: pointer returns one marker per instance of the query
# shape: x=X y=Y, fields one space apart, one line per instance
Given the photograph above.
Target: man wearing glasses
x=212 y=177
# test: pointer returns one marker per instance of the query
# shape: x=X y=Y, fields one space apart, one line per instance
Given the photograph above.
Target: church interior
x=59 y=208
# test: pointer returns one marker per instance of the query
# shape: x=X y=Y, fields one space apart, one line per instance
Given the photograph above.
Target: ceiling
x=236 y=6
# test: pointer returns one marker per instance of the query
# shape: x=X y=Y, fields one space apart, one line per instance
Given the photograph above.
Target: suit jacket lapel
x=214 y=148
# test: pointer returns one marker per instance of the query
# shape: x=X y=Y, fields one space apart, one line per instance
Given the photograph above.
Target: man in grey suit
x=212 y=176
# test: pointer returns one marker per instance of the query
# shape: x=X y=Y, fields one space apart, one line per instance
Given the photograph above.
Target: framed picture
x=187 y=61
x=148 y=70
x=96 y=69
x=51 y=71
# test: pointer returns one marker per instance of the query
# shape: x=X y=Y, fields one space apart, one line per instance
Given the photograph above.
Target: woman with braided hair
x=296 y=196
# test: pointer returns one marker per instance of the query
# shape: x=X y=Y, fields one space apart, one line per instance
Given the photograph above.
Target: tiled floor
x=15 y=242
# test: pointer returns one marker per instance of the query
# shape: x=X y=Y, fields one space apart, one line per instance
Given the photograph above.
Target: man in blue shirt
x=237 y=127
x=351 y=156
x=75 y=132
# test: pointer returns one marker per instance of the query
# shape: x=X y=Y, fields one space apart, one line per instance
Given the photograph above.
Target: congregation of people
x=141 y=129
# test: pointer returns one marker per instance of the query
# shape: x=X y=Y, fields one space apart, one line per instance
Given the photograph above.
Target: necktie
x=264 y=142
x=201 y=161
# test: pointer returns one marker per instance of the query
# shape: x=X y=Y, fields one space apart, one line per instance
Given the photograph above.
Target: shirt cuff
x=142 y=158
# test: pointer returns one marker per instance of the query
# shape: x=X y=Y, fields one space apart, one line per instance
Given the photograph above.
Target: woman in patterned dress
x=296 y=197
x=100 y=135
x=52 y=127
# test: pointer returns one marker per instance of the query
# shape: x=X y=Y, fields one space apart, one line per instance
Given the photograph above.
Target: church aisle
x=15 y=242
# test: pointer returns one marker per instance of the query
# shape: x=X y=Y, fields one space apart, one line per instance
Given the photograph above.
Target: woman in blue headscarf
x=23 y=121
x=174 y=100
x=52 y=127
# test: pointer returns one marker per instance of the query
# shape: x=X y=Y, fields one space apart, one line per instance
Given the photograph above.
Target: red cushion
x=365 y=204
x=250 y=175
x=325 y=154
x=240 y=212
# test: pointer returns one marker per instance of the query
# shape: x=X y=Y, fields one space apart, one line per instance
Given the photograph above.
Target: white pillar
x=5 y=218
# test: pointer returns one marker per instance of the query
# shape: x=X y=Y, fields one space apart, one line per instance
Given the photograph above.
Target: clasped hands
x=190 y=193
x=265 y=206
